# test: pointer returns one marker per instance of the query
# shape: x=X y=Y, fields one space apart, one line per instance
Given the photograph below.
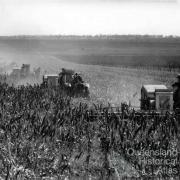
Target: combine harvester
x=160 y=99
x=24 y=72
x=156 y=100
x=69 y=81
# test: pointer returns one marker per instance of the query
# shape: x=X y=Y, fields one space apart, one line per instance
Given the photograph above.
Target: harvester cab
x=156 y=97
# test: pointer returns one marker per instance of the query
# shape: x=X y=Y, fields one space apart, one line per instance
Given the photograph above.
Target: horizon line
x=89 y=35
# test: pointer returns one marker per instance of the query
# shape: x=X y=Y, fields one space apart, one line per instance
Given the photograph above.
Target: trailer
x=50 y=80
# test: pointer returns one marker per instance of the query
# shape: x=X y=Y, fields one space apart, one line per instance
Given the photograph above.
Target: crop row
x=43 y=134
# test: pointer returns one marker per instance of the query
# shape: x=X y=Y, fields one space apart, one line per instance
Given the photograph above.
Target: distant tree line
x=159 y=38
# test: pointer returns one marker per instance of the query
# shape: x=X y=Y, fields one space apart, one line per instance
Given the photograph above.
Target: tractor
x=68 y=81
x=73 y=83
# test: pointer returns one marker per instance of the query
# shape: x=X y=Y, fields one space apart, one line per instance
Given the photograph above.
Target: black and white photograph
x=89 y=89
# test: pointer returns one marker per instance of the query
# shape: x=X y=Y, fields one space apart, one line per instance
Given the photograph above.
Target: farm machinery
x=21 y=76
x=69 y=81
x=24 y=72
x=156 y=97
x=156 y=100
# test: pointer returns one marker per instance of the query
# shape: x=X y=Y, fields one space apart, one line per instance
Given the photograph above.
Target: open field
x=101 y=51
x=120 y=81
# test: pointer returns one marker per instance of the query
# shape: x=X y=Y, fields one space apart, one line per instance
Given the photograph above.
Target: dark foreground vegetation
x=44 y=135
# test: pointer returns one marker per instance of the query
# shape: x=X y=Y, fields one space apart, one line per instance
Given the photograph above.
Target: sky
x=89 y=17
